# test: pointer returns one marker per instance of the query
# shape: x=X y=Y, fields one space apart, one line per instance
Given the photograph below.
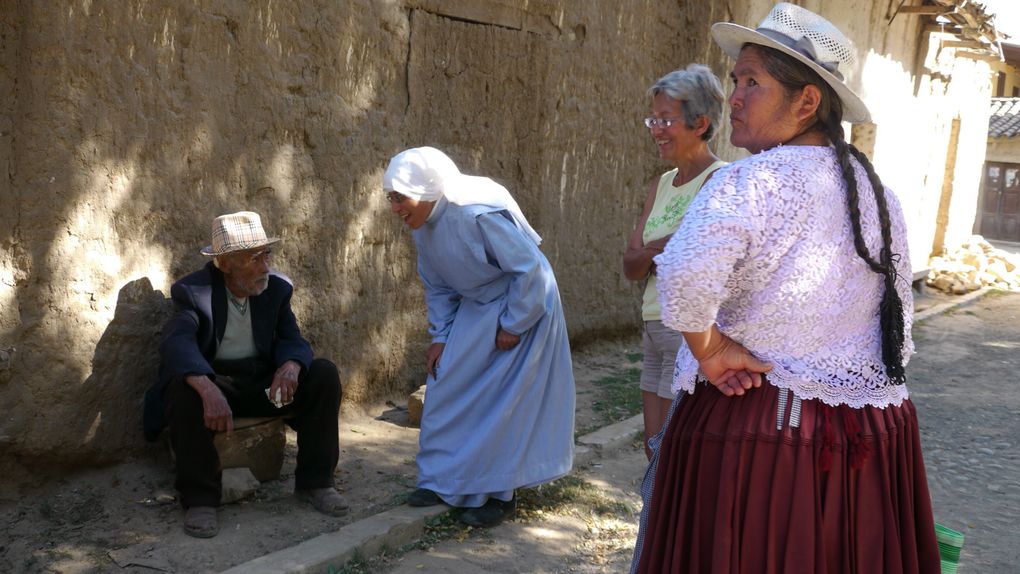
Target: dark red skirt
x=734 y=494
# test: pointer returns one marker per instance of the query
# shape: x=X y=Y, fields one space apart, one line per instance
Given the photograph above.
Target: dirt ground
x=126 y=518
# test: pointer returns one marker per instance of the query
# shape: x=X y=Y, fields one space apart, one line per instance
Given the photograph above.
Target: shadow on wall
x=125 y=364
x=136 y=126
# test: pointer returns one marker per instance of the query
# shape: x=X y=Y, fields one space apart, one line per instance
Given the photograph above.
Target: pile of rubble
x=975 y=264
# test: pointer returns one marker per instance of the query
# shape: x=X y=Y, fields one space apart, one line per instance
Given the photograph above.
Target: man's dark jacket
x=189 y=341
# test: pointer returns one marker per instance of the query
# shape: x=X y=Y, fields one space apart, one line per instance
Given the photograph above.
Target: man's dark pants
x=313 y=414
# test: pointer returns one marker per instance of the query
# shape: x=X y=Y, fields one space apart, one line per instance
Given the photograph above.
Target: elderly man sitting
x=232 y=348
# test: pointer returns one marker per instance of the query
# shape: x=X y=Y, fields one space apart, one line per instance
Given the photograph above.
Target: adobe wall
x=126 y=127
x=1005 y=150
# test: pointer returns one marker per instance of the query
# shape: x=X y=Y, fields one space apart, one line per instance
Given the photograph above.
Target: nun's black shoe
x=423 y=497
x=490 y=514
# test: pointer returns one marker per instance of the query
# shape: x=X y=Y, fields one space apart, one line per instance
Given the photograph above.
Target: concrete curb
x=607 y=439
x=404 y=524
x=943 y=307
x=329 y=552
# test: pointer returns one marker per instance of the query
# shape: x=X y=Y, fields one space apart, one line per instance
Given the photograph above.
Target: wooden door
x=1000 y=208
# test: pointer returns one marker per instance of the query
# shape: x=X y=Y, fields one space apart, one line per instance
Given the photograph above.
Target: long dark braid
x=794 y=75
x=891 y=308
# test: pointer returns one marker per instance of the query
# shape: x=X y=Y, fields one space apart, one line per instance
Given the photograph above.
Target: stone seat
x=257 y=443
x=416 y=406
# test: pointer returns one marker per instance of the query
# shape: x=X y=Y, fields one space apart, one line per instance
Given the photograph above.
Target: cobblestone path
x=965 y=382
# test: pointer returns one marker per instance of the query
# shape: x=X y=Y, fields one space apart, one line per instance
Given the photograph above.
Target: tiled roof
x=1011 y=52
x=1004 y=121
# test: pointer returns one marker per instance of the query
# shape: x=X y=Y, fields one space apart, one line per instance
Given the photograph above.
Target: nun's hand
x=505 y=340
x=432 y=355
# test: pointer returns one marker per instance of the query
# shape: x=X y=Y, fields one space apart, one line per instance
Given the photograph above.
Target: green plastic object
x=950 y=542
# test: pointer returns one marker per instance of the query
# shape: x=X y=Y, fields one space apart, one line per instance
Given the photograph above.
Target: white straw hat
x=237 y=232
x=807 y=37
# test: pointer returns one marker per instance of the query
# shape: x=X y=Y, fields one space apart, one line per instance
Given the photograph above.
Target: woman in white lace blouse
x=790 y=280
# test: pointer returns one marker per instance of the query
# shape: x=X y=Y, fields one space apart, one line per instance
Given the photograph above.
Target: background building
x=999 y=214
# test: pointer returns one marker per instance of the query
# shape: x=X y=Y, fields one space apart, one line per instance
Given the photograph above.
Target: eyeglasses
x=661 y=122
x=395 y=197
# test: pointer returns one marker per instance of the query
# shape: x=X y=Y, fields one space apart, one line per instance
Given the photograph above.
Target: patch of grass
x=437 y=529
x=396 y=500
x=619 y=396
x=997 y=292
x=634 y=357
x=356 y=565
x=569 y=492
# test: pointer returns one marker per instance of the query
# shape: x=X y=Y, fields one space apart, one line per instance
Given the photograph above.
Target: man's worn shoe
x=423 y=497
x=325 y=500
x=200 y=522
x=491 y=513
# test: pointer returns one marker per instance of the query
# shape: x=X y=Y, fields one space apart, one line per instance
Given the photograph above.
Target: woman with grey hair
x=686 y=110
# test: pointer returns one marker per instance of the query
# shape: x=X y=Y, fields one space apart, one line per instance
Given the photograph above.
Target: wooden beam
x=925 y=10
x=966 y=44
x=977 y=56
x=943 y=29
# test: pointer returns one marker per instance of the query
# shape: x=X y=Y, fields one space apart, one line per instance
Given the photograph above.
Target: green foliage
x=437 y=528
x=568 y=493
x=997 y=292
x=619 y=396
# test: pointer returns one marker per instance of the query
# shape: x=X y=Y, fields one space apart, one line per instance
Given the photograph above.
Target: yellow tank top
x=667 y=211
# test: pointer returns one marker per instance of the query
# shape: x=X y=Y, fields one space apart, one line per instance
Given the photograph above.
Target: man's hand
x=505 y=340
x=286 y=381
x=215 y=410
x=432 y=355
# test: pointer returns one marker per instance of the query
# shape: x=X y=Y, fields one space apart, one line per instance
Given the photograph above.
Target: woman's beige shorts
x=660 y=346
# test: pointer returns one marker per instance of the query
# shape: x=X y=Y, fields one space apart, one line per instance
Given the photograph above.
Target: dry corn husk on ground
x=973 y=265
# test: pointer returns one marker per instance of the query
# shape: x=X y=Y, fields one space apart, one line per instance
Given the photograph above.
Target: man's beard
x=259 y=285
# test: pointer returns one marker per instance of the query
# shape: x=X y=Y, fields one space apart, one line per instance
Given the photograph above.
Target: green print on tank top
x=671 y=216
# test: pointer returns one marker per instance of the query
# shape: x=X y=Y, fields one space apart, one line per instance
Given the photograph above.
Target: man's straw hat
x=237 y=232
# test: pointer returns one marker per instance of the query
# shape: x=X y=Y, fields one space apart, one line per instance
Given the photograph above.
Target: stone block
x=256 y=444
x=415 y=406
x=238 y=483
